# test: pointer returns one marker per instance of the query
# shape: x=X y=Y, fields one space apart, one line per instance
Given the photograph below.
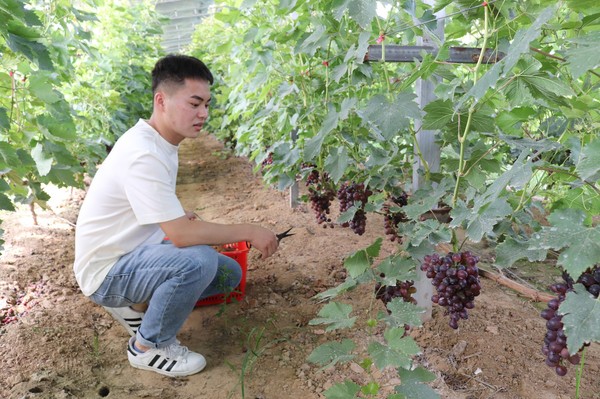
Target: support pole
x=430 y=151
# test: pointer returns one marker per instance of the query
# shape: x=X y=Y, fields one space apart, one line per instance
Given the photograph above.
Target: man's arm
x=184 y=232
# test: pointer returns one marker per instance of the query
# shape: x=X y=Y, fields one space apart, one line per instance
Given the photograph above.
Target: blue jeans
x=171 y=280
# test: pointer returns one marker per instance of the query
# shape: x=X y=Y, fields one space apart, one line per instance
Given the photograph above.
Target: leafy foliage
x=517 y=137
x=69 y=86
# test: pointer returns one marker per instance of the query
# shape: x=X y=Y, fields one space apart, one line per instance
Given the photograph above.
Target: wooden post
x=430 y=152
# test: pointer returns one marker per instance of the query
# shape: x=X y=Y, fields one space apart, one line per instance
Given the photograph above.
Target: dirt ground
x=55 y=343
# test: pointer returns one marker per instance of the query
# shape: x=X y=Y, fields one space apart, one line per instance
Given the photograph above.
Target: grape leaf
x=42 y=161
x=581 y=318
x=345 y=390
x=403 y=313
x=337 y=163
x=362 y=11
x=336 y=314
x=413 y=386
x=568 y=231
x=511 y=250
x=313 y=145
x=480 y=220
x=331 y=353
x=584 y=55
x=4 y=120
x=398 y=352
x=389 y=118
x=5 y=203
x=519 y=45
x=397 y=268
x=361 y=260
x=331 y=293
x=589 y=163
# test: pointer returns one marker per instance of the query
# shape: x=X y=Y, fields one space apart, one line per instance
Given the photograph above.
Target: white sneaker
x=127 y=317
x=174 y=361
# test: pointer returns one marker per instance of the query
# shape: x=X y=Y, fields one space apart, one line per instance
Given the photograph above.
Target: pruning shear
x=279 y=236
x=283 y=235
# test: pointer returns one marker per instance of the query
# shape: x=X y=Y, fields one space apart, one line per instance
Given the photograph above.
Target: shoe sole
x=168 y=373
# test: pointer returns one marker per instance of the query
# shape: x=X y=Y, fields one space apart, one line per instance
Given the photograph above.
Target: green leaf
x=589 y=163
x=331 y=353
x=4 y=121
x=345 y=390
x=42 y=89
x=403 y=313
x=42 y=161
x=35 y=51
x=336 y=314
x=373 y=249
x=413 y=386
x=584 y=55
x=335 y=291
x=362 y=11
x=390 y=118
x=357 y=263
x=519 y=45
x=398 y=352
x=313 y=145
x=511 y=250
x=5 y=203
x=580 y=245
x=337 y=163
x=480 y=220
x=8 y=156
x=397 y=268
x=581 y=318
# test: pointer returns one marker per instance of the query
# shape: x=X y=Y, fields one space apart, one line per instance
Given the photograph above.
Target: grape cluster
x=456 y=279
x=391 y=218
x=320 y=195
x=350 y=194
x=555 y=340
x=402 y=289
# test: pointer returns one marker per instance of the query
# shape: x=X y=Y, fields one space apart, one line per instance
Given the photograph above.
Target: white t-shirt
x=132 y=192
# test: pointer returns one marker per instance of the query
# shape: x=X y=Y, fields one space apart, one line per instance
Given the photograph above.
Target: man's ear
x=159 y=100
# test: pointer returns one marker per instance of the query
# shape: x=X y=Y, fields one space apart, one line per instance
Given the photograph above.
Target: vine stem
x=579 y=374
x=462 y=137
x=327 y=72
x=385 y=72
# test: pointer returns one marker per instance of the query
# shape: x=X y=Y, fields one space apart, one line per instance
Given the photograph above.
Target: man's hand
x=264 y=240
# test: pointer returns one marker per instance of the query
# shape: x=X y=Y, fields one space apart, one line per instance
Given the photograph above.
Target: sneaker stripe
x=162 y=364
x=131 y=350
x=171 y=365
x=156 y=358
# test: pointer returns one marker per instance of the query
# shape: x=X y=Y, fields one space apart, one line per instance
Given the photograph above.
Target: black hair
x=175 y=68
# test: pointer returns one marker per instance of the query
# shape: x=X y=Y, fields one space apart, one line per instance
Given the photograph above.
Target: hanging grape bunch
x=320 y=195
x=350 y=194
x=555 y=340
x=402 y=289
x=392 y=218
x=456 y=279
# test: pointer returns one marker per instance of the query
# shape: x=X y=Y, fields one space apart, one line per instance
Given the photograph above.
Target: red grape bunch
x=391 y=219
x=356 y=194
x=555 y=340
x=456 y=279
x=320 y=195
x=402 y=289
